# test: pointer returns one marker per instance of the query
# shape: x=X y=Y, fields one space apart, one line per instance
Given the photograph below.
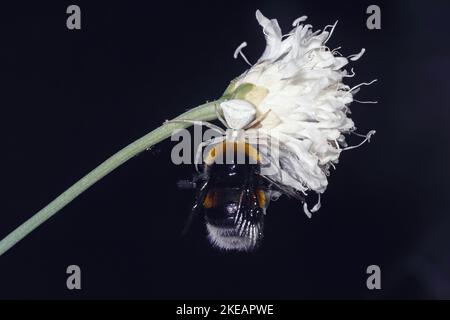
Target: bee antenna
x=186 y=184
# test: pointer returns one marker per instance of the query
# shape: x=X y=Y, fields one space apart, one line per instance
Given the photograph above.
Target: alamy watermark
x=73 y=21
x=73 y=281
x=373 y=282
x=374 y=20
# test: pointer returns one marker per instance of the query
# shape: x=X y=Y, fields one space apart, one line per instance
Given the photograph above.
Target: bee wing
x=286 y=190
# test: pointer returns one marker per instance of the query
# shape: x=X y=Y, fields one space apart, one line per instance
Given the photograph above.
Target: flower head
x=298 y=85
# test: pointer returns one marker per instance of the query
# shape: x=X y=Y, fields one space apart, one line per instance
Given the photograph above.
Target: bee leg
x=200 y=177
x=196 y=207
x=188 y=184
x=188 y=224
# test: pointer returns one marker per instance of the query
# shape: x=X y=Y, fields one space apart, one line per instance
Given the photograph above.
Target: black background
x=69 y=99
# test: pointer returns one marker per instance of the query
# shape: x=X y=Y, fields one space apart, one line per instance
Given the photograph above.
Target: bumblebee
x=232 y=196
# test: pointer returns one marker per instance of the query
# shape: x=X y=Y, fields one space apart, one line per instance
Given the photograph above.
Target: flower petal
x=273 y=35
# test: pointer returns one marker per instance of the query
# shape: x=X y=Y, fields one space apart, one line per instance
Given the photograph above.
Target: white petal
x=273 y=35
x=307 y=99
x=299 y=20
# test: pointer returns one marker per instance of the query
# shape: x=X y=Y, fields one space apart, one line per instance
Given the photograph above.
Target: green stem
x=205 y=112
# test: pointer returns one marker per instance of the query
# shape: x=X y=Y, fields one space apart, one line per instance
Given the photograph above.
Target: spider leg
x=199 y=151
x=220 y=116
x=257 y=120
x=199 y=123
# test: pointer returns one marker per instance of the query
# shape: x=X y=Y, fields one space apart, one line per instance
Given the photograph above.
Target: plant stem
x=205 y=112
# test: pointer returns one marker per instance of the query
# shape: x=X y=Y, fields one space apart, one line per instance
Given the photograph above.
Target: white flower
x=298 y=82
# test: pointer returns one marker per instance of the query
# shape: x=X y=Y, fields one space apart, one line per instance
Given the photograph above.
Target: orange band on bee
x=222 y=148
x=210 y=200
x=261 y=198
